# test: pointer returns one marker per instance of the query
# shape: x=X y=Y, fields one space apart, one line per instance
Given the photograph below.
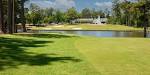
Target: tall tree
x=145 y=9
x=10 y=4
x=58 y=17
x=4 y=12
x=116 y=12
x=86 y=13
x=132 y=13
x=14 y=16
x=1 y=17
x=35 y=15
x=71 y=14
x=23 y=16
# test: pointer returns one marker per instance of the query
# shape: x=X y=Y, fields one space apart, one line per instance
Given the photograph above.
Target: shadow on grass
x=13 y=53
x=46 y=35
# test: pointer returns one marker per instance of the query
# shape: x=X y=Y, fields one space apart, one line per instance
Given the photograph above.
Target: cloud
x=104 y=5
x=58 y=4
x=64 y=4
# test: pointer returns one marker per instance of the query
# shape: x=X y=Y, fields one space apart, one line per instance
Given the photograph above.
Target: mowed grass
x=117 y=56
x=57 y=54
x=42 y=54
x=87 y=27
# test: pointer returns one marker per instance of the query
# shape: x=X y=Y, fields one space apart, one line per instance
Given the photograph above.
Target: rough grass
x=87 y=27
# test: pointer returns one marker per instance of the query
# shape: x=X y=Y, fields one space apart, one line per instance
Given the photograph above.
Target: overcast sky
x=78 y=4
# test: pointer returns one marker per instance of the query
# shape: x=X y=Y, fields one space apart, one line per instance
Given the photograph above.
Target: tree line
x=10 y=12
x=36 y=15
x=13 y=12
x=124 y=12
x=131 y=13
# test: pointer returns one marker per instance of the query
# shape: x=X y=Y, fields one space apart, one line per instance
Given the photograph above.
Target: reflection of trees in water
x=99 y=33
x=136 y=34
x=128 y=34
x=108 y=33
x=71 y=32
x=116 y=34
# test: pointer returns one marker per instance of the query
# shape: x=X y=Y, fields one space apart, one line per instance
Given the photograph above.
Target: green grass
x=55 y=54
x=88 y=27
x=42 y=54
x=117 y=56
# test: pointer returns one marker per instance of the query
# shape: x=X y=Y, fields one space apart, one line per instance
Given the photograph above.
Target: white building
x=99 y=20
x=92 y=21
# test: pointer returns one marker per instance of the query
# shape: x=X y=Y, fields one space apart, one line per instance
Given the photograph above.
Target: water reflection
x=96 y=33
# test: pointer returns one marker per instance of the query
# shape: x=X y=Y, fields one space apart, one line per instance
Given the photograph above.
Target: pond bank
x=86 y=27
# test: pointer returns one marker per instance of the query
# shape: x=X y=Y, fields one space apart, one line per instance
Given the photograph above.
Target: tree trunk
x=145 y=20
x=22 y=16
x=10 y=29
x=1 y=17
x=13 y=17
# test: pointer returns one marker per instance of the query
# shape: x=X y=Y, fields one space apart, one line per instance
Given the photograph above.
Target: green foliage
x=51 y=15
x=35 y=15
x=71 y=14
x=130 y=13
x=59 y=17
x=86 y=13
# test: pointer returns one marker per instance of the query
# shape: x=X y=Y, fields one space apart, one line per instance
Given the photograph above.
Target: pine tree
x=1 y=17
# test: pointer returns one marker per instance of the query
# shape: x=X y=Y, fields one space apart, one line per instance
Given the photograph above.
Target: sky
x=78 y=4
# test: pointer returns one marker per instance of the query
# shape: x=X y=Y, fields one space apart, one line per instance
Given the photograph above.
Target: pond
x=94 y=33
